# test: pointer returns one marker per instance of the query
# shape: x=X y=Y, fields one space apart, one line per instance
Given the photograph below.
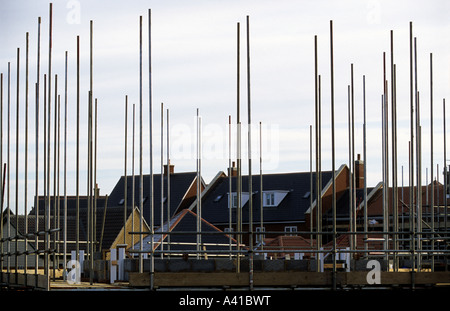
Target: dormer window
x=273 y=198
x=269 y=199
x=234 y=199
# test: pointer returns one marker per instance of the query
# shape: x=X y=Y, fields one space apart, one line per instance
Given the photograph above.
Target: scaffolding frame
x=423 y=248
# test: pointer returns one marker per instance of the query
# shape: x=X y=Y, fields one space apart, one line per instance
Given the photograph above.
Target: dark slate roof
x=71 y=232
x=292 y=208
x=114 y=217
x=179 y=186
x=343 y=202
x=71 y=204
x=114 y=221
x=186 y=222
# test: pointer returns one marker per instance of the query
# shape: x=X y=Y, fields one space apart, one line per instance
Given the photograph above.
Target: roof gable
x=180 y=184
x=292 y=207
x=186 y=222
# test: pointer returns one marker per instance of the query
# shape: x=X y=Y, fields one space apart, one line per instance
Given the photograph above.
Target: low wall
x=102 y=267
x=227 y=265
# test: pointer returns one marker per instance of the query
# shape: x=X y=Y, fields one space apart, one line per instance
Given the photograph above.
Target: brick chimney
x=171 y=169
x=359 y=172
x=232 y=171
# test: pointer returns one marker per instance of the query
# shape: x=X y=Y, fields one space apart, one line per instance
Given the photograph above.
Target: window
x=217 y=199
x=234 y=199
x=273 y=198
x=290 y=229
x=269 y=199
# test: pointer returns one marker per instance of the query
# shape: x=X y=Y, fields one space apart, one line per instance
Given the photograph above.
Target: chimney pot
x=171 y=169
x=232 y=171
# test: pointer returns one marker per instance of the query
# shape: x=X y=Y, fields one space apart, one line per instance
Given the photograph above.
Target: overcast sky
x=194 y=66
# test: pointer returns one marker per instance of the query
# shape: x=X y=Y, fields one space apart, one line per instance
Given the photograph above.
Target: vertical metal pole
x=394 y=153
x=230 y=195
x=432 y=161
x=96 y=189
x=353 y=160
x=427 y=201
x=198 y=184
x=261 y=198
x=54 y=176
x=396 y=221
x=151 y=150
x=45 y=173
x=58 y=234
x=411 y=177
x=89 y=186
x=125 y=190
x=8 y=215
x=168 y=183
x=48 y=204
x=141 y=177
x=318 y=186
x=437 y=197
x=319 y=94
x=366 y=228
x=57 y=203
x=133 y=183
x=311 y=182
x=333 y=154
x=383 y=155
x=386 y=124
x=350 y=170
x=16 y=257
x=238 y=151
x=162 y=179
x=411 y=168
x=90 y=174
x=250 y=177
x=77 y=220
x=419 y=214
x=38 y=65
x=26 y=157
x=386 y=159
x=418 y=188
x=65 y=167
x=403 y=204
x=444 y=194
x=47 y=254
